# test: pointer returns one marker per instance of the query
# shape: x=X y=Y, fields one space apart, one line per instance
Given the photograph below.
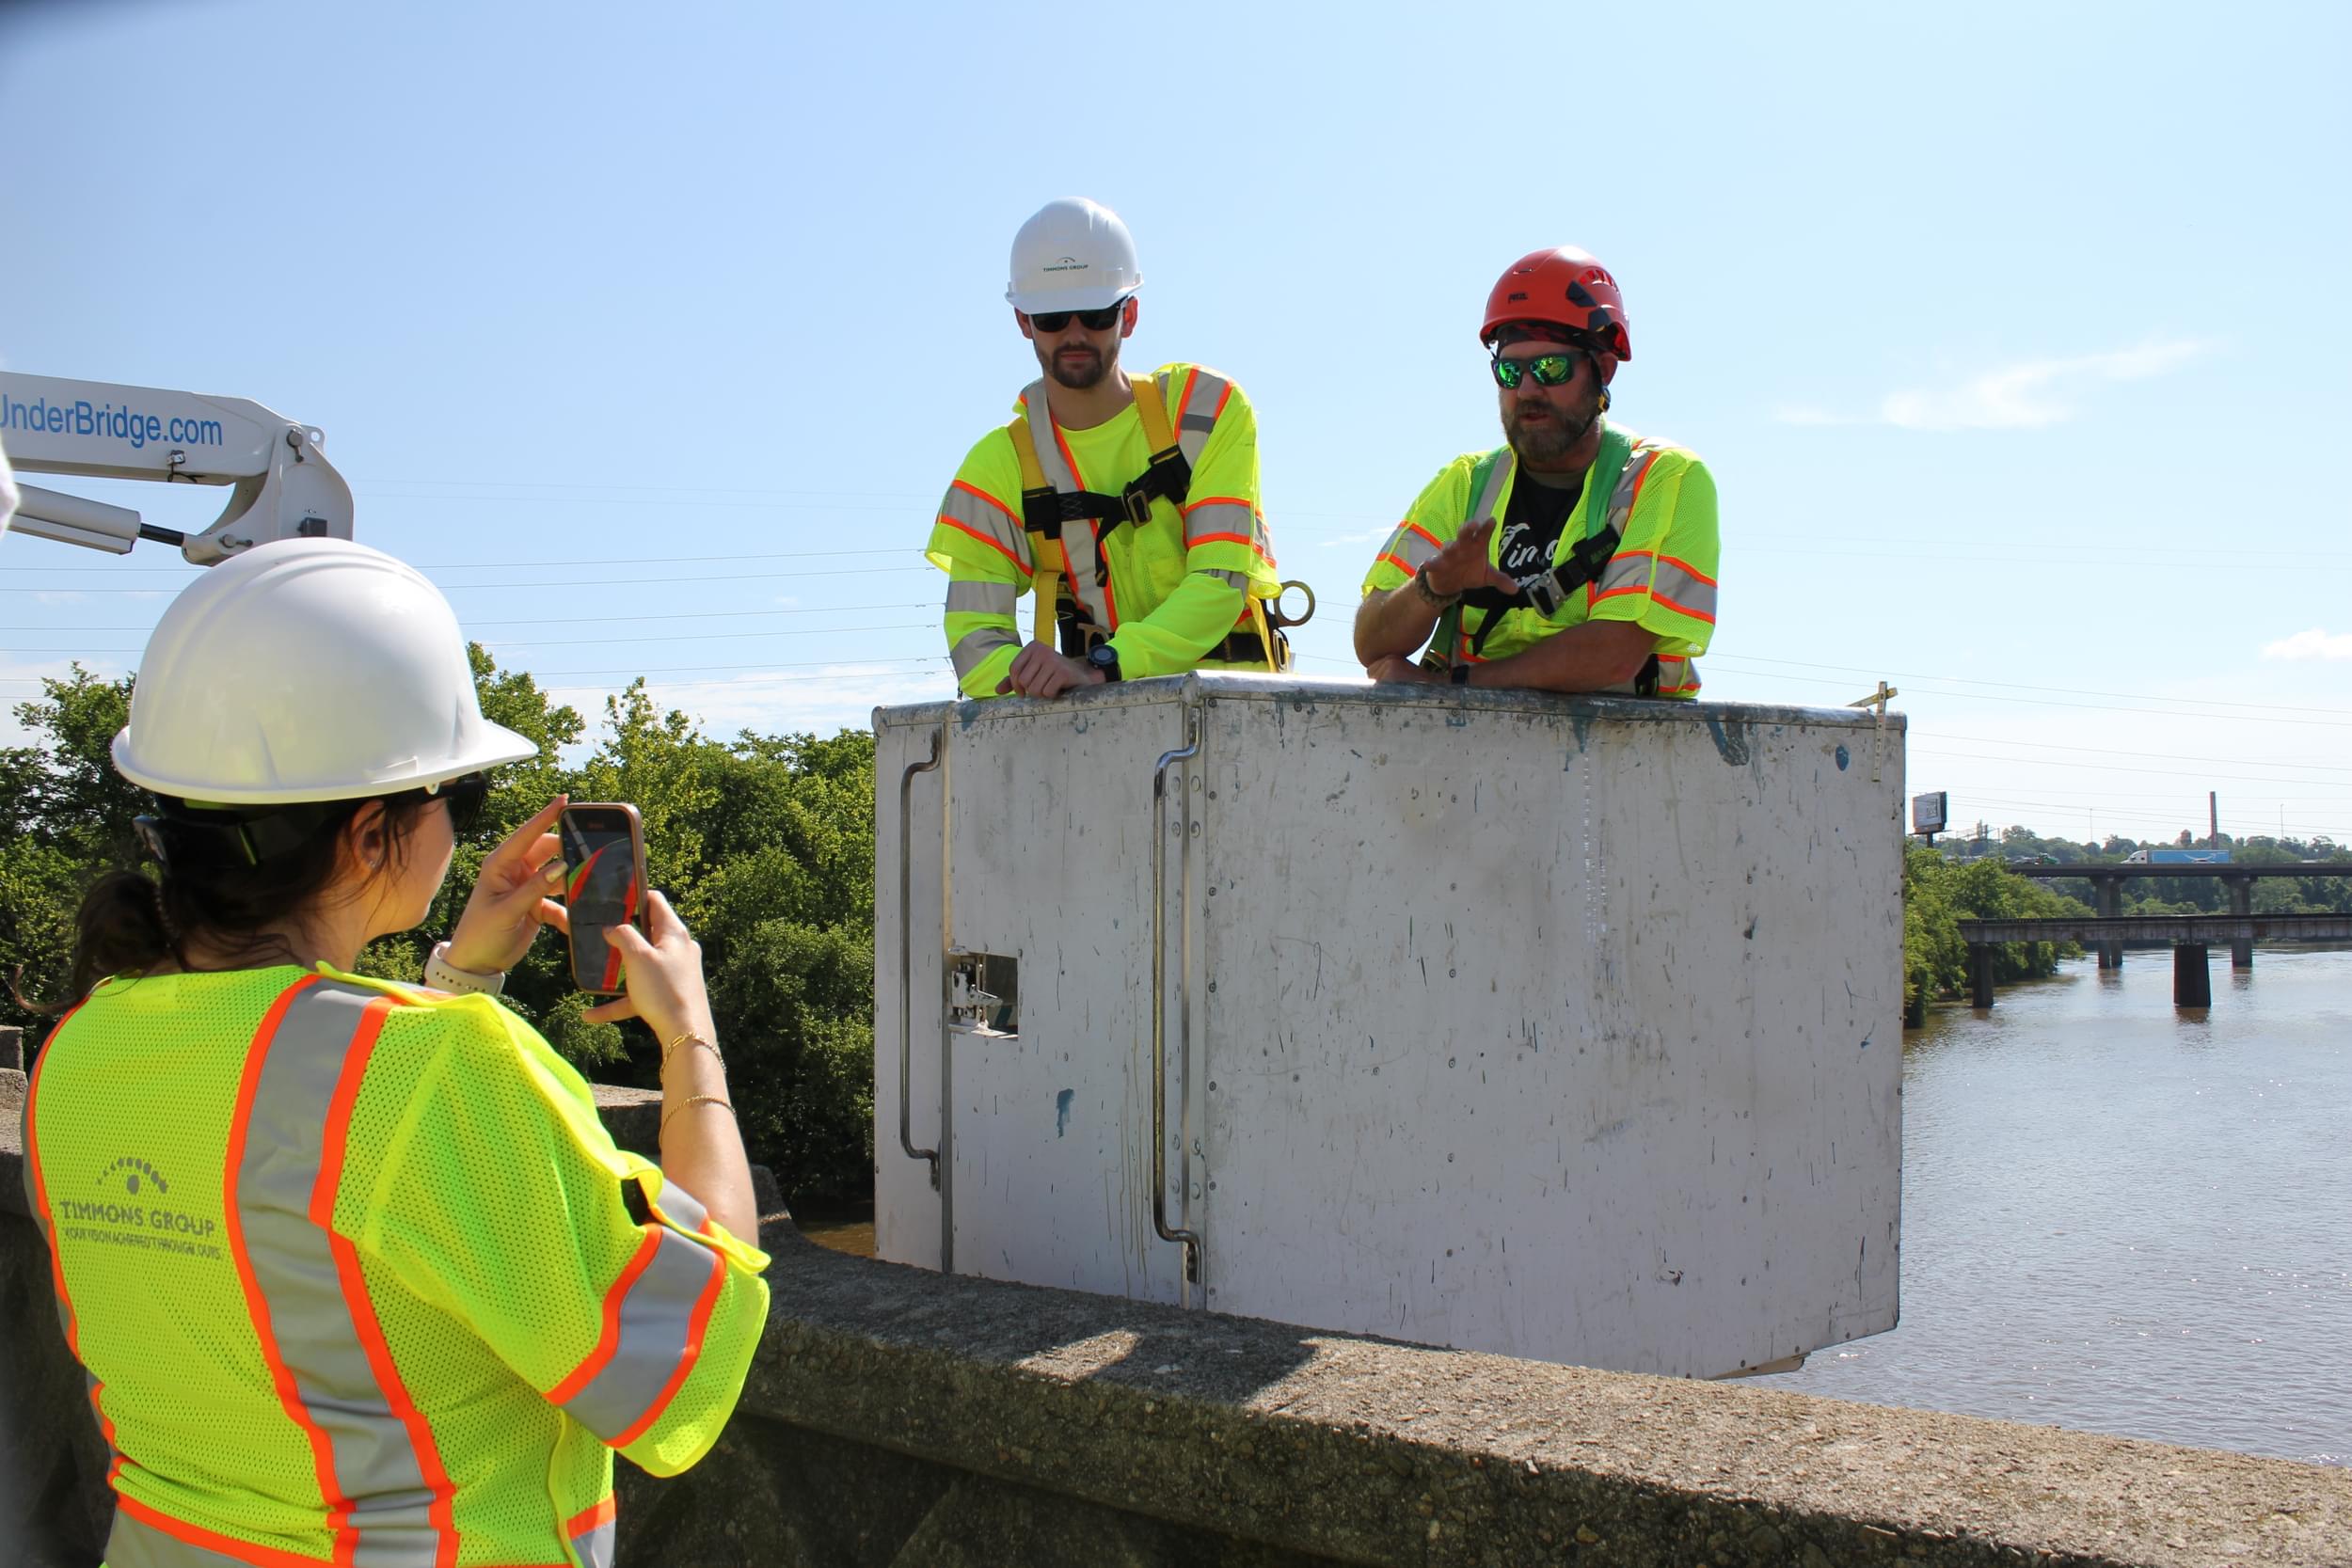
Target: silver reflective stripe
x=1231 y=519
x=376 y=1465
x=657 y=1328
x=596 y=1546
x=981 y=599
x=1411 y=546
x=1498 y=480
x=1628 y=484
x=1197 y=417
x=973 y=649
x=1239 y=580
x=990 y=522
x=133 y=1543
x=1077 y=539
x=1625 y=571
x=1684 y=589
x=680 y=1208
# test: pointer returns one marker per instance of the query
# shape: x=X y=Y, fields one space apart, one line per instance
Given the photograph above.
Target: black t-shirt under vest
x=1531 y=521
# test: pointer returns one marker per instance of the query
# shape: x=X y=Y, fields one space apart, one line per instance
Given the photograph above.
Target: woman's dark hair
x=130 y=921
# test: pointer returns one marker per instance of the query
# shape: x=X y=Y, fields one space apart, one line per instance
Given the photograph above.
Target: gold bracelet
x=689 y=1038
x=690 y=1102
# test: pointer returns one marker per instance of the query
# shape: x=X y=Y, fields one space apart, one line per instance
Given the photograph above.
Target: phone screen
x=603 y=887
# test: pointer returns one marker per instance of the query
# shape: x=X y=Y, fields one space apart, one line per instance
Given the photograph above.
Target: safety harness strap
x=1614 y=474
x=1046 y=505
x=1052 y=499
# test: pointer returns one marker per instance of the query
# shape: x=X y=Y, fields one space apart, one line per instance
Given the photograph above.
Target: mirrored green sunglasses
x=1550 y=369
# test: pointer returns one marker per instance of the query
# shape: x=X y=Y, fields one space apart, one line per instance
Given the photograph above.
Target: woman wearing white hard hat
x=355 y=1270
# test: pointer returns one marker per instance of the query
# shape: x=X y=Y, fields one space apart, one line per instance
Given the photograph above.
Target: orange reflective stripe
x=133 y=1513
x=41 y=1190
x=976 y=492
x=1686 y=569
x=257 y=1307
x=1705 y=615
x=590 y=1532
x=43 y=1217
x=995 y=545
x=589 y=1518
x=387 y=1496
x=695 y=1327
x=441 y=1511
x=609 y=1341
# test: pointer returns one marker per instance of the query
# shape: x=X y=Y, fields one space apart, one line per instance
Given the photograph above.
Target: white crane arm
x=283 y=487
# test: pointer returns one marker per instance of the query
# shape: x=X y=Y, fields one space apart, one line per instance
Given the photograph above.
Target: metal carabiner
x=1274 y=616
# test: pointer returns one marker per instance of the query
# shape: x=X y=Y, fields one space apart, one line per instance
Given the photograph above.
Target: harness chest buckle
x=1138 y=503
x=1544 y=594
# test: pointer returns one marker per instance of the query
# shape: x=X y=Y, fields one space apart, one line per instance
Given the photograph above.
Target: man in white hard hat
x=1129 y=505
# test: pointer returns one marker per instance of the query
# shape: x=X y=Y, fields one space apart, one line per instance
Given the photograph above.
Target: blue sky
x=2015 y=336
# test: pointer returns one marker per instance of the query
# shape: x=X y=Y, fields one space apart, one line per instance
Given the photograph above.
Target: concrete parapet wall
x=902 y=1418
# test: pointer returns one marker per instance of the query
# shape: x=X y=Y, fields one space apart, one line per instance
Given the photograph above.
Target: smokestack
x=2213 y=805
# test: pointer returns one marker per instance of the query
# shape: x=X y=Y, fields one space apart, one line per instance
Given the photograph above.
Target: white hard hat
x=306 y=670
x=1073 y=255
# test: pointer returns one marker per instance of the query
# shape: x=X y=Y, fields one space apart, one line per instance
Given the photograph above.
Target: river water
x=2122 y=1218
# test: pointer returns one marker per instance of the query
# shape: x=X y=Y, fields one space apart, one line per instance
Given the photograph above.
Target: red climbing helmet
x=1568 y=289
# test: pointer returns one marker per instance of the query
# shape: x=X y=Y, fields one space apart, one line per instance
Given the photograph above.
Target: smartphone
x=604 y=886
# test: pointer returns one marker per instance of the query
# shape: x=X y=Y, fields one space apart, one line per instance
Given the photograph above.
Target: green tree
x=765 y=844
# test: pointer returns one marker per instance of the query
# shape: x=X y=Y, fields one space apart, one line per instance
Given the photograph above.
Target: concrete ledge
x=1372 y=1453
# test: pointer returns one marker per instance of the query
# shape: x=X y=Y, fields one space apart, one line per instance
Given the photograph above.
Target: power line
x=2022 y=686
x=569 y=583
x=591 y=641
x=573 y=619
x=2169 y=757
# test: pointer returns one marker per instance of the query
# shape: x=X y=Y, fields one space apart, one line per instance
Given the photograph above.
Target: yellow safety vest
x=358 y=1276
x=1078 y=613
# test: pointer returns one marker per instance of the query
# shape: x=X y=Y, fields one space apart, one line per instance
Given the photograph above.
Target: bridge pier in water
x=2110 y=894
x=2241 y=905
x=2192 y=981
x=1981 y=974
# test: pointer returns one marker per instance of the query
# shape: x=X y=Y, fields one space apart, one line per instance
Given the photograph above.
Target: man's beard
x=1068 y=368
x=1550 y=440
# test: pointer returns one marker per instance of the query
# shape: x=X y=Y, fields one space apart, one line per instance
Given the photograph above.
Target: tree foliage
x=764 y=842
x=1939 y=893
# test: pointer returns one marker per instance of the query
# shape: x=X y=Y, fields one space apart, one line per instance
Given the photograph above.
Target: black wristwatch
x=1103 y=660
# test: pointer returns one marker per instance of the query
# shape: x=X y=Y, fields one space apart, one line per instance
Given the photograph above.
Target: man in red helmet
x=1577 y=557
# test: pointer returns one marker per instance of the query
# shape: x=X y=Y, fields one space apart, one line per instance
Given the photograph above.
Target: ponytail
x=237 y=911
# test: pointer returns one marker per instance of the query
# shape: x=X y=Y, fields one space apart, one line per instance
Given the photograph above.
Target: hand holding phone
x=604 y=886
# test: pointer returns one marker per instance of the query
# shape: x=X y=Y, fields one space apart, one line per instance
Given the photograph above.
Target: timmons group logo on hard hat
x=113 y=1220
x=1068 y=263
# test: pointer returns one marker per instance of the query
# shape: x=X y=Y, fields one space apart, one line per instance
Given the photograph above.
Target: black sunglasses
x=465 y=796
x=189 y=835
x=1093 y=320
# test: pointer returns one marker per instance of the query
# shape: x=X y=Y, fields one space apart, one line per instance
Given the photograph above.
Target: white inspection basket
x=1567 y=1028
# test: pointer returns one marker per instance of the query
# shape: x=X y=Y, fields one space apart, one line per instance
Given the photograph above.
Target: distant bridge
x=2188 y=935
x=2106 y=890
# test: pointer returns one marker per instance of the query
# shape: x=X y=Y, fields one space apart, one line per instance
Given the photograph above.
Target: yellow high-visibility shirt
x=356 y=1274
x=1177 y=586
x=1662 y=576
